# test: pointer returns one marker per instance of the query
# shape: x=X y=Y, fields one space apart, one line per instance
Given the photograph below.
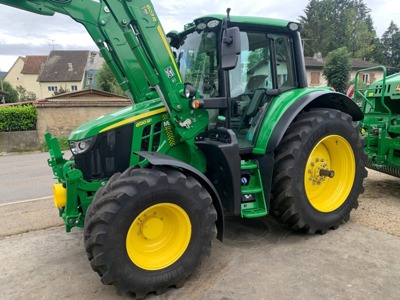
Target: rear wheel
x=148 y=229
x=319 y=171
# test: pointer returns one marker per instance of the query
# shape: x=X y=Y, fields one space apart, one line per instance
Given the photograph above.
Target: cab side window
x=252 y=78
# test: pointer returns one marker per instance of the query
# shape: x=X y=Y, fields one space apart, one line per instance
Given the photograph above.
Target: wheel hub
x=319 y=171
x=152 y=228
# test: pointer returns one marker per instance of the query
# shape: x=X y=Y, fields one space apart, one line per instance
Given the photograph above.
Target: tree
x=331 y=24
x=105 y=81
x=391 y=45
x=377 y=54
x=360 y=31
x=24 y=95
x=337 y=69
x=316 y=33
x=12 y=93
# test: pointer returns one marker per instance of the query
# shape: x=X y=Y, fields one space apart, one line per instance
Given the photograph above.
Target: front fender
x=159 y=159
x=284 y=109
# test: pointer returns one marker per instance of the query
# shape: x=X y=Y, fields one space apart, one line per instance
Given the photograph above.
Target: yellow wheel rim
x=332 y=155
x=158 y=236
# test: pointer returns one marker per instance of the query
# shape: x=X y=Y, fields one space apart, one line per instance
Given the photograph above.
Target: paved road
x=25 y=176
x=258 y=260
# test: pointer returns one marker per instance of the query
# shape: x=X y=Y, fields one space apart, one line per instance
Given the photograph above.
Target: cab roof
x=247 y=20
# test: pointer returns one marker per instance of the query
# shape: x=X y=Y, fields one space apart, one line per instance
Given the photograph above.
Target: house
x=25 y=71
x=14 y=76
x=63 y=70
x=94 y=63
x=315 y=65
x=46 y=75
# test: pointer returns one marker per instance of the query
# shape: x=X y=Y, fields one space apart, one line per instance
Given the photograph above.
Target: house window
x=52 y=88
x=74 y=88
x=89 y=79
x=365 y=78
x=315 y=78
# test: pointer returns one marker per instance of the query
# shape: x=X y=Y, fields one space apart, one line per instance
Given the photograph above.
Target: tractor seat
x=255 y=82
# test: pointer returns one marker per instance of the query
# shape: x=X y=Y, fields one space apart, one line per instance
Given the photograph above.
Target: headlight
x=78 y=147
x=201 y=26
x=295 y=26
x=213 y=23
x=189 y=91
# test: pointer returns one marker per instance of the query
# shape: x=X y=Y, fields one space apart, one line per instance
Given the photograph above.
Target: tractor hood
x=117 y=118
x=392 y=89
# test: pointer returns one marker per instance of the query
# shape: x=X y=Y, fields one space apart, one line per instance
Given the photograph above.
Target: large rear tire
x=148 y=229
x=319 y=171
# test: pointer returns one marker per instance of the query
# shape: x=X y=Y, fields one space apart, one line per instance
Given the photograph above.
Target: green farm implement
x=380 y=103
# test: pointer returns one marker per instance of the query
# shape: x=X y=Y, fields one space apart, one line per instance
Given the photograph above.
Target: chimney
x=318 y=57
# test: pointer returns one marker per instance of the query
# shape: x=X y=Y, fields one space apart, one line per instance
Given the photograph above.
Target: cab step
x=253 y=200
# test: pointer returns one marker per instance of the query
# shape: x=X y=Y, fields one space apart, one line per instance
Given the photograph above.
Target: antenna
x=52 y=43
x=226 y=19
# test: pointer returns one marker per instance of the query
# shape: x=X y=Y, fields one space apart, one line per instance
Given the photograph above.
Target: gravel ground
x=40 y=261
x=379 y=206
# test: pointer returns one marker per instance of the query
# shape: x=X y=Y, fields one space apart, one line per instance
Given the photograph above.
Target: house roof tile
x=362 y=64
x=87 y=94
x=64 y=66
x=312 y=62
x=355 y=63
x=33 y=64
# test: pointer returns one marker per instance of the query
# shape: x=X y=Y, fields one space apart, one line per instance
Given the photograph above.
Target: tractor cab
x=237 y=80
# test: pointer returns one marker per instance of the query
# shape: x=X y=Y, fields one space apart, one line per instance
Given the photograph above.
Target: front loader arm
x=145 y=36
x=133 y=43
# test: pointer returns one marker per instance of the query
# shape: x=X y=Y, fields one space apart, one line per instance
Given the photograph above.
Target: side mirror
x=230 y=48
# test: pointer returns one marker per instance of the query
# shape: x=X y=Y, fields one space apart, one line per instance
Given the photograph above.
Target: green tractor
x=380 y=103
x=222 y=121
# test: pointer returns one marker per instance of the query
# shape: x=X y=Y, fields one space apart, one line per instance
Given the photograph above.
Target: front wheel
x=148 y=229
x=319 y=171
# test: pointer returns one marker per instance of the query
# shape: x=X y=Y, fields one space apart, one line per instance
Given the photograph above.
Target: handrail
x=382 y=98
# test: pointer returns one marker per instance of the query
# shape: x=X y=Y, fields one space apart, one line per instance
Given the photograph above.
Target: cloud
x=37 y=49
x=24 y=33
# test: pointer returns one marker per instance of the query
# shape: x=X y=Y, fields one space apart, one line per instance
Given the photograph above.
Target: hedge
x=18 y=118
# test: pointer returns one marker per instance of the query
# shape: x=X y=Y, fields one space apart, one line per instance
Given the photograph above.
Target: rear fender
x=317 y=99
x=158 y=159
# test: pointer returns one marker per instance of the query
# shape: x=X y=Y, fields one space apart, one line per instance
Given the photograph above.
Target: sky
x=24 y=33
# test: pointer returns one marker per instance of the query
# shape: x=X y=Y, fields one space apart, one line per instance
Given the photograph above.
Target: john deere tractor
x=222 y=121
x=380 y=103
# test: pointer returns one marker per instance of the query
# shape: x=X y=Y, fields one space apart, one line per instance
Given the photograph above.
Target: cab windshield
x=198 y=63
